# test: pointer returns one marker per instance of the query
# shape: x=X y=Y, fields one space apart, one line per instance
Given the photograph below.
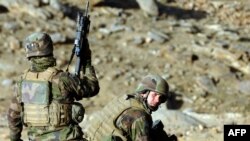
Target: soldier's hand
x=173 y=138
x=86 y=52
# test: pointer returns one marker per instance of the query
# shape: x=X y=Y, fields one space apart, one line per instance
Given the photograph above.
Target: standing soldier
x=129 y=118
x=45 y=100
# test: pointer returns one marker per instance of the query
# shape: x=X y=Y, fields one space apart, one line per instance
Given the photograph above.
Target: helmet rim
x=154 y=83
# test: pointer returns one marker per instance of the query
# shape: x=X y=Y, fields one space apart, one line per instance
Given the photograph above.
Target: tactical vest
x=103 y=124
x=39 y=109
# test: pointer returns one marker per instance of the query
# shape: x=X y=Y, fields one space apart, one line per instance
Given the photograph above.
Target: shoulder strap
x=42 y=76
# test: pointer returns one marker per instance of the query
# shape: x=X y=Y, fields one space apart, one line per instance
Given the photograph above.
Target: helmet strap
x=144 y=99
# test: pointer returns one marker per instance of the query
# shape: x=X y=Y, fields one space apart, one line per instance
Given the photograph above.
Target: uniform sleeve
x=136 y=124
x=14 y=120
x=91 y=82
x=140 y=129
x=84 y=87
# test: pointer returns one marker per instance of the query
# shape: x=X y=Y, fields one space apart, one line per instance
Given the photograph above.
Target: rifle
x=159 y=134
x=81 y=40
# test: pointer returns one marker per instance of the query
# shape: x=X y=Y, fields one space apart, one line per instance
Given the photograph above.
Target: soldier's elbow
x=96 y=90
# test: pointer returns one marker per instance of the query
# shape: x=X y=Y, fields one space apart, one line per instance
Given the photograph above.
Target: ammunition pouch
x=55 y=114
x=77 y=112
x=59 y=114
x=36 y=115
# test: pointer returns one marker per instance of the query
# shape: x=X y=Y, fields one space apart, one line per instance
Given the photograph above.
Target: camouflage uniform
x=135 y=122
x=127 y=118
x=45 y=97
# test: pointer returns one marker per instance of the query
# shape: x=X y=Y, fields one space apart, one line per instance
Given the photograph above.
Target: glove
x=172 y=138
x=86 y=52
x=15 y=139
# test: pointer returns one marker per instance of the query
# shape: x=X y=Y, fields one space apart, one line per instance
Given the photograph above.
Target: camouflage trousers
x=67 y=133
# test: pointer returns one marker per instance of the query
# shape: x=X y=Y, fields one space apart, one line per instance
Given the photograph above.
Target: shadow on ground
x=175 y=101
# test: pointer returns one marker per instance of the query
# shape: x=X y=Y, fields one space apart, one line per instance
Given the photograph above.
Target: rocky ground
x=201 y=47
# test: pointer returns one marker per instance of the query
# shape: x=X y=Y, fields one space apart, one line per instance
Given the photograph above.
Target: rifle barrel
x=87 y=9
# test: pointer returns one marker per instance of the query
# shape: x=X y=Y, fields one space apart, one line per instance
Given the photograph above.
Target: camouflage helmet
x=154 y=83
x=38 y=44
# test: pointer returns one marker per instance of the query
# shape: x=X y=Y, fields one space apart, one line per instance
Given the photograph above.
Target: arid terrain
x=201 y=47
